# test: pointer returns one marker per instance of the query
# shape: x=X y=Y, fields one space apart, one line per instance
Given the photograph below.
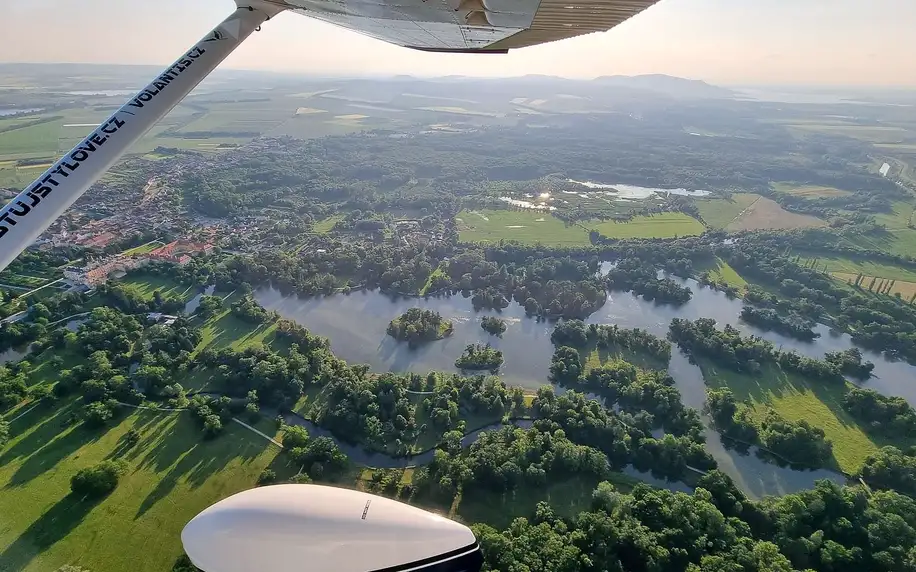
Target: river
x=361 y=456
x=356 y=326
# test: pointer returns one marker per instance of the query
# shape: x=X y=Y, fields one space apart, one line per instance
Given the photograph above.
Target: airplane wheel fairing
x=318 y=528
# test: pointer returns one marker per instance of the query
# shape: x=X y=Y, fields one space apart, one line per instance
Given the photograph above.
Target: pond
x=356 y=326
x=13 y=355
x=194 y=302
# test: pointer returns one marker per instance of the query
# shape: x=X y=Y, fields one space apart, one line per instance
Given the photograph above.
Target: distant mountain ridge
x=660 y=84
x=669 y=85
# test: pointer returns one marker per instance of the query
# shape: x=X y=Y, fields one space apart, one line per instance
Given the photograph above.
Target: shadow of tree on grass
x=50 y=527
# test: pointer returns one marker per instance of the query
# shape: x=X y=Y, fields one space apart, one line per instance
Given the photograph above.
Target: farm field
x=527 y=227
x=906 y=289
x=808 y=191
x=898 y=147
x=765 y=213
x=856 y=266
x=173 y=473
x=795 y=399
x=718 y=213
x=867 y=133
x=663 y=225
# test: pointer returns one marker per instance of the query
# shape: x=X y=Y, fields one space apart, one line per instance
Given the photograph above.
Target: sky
x=727 y=42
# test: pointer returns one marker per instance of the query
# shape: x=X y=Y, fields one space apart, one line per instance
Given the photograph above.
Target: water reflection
x=13 y=355
x=194 y=302
x=356 y=324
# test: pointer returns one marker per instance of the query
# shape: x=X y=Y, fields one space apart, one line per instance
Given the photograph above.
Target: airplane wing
x=471 y=26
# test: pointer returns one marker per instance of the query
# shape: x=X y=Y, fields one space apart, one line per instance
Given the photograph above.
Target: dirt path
x=741 y=214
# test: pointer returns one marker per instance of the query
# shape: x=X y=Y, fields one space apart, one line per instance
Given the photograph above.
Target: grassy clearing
x=143 y=248
x=429 y=281
x=146 y=284
x=723 y=272
x=718 y=213
x=41 y=138
x=527 y=227
x=765 y=213
x=899 y=237
x=663 y=225
x=593 y=356
x=808 y=191
x=795 y=399
x=324 y=226
x=172 y=475
x=905 y=289
x=226 y=331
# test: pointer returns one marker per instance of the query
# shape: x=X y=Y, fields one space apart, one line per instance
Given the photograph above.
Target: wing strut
x=35 y=208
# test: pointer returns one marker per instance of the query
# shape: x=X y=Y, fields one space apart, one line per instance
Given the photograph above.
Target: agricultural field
x=867 y=133
x=719 y=213
x=528 y=227
x=663 y=225
x=906 y=289
x=852 y=266
x=808 y=191
x=795 y=399
x=172 y=474
x=766 y=213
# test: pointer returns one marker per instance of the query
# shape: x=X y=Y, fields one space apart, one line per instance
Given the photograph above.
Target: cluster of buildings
x=98 y=272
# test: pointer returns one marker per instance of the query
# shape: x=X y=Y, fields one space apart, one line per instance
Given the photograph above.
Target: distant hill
x=668 y=85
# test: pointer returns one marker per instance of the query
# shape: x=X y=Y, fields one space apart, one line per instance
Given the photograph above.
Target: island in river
x=417 y=326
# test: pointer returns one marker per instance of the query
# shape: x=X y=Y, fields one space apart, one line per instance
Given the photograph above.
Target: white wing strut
x=35 y=208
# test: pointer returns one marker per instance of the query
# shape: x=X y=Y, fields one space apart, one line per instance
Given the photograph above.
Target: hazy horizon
x=780 y=43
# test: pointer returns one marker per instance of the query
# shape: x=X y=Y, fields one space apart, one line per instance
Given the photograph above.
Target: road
x=14 y=318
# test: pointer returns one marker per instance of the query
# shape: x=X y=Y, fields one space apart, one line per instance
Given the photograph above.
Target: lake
x=356 y=326
x=637 y=192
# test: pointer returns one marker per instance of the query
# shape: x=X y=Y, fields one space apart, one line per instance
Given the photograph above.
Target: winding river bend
x=361 y=456
x=356 y=326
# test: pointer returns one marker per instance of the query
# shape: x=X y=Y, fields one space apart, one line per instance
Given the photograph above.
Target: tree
x=213 y=426
x=97 y=480
x=4 y=432
x=209 y=306
x=295 y=436
x=267 y=477
x=566 y=365
x=99 y=413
